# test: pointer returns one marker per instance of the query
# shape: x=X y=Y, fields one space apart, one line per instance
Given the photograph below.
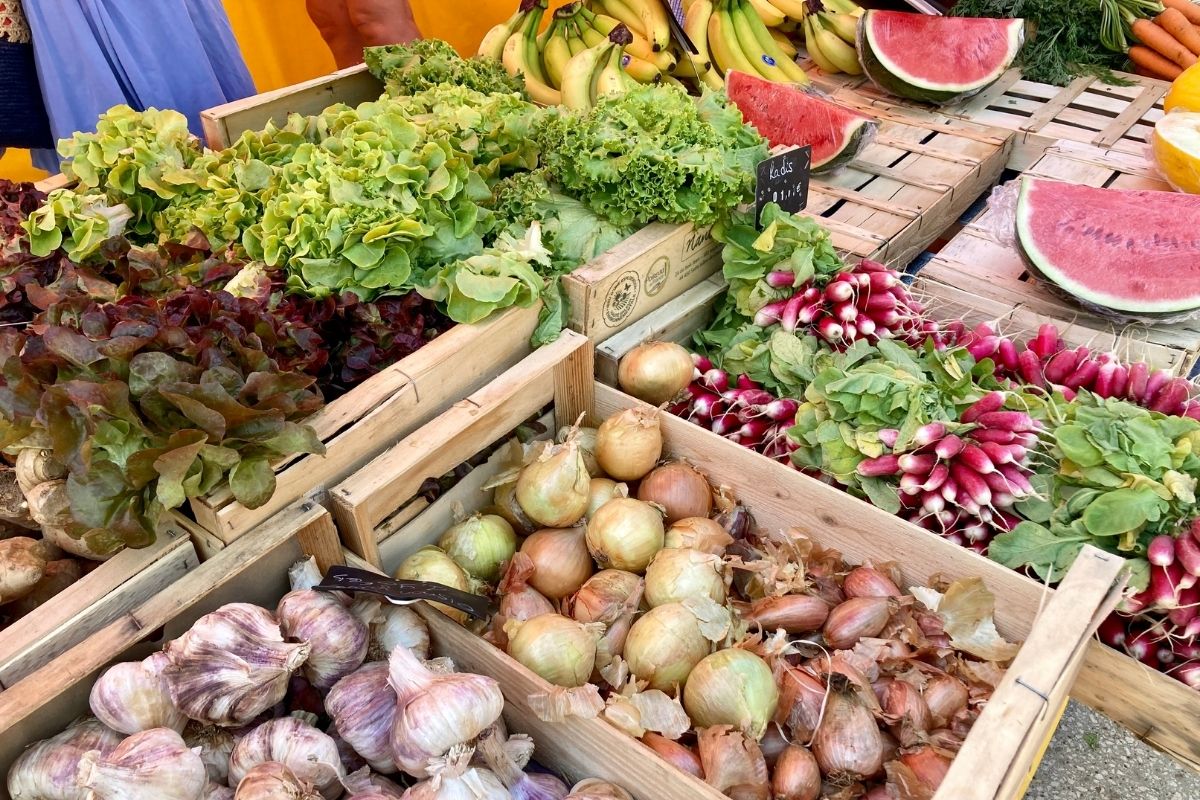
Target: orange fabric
x=279 y=42
x=16 y=166
x=461 y=24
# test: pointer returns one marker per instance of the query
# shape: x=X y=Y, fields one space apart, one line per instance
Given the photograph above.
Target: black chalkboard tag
x=352 y=579
x=783 y=180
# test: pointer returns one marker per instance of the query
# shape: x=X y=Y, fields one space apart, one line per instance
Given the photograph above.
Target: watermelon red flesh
x=788 y=115
x=1136 y=252
x=936 y=58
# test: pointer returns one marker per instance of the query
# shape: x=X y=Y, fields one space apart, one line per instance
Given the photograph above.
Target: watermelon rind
x=854 y=134
x=892 y=79
x=1095 y=300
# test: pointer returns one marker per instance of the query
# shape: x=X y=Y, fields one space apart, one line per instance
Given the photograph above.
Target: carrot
x=1175 y=23
x=1164 y=43
x=1152 y=62
x=1187 y=8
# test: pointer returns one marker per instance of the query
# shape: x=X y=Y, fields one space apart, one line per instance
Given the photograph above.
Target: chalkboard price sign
x=783 y=179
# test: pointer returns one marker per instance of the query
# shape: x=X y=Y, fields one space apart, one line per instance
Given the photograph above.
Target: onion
x=796 y=775
x=625 y=534
x=561 y=562
x=675 y=575
x=434 y=565
x=677 y=755
x=604 y=596
x=679 y=488
x=656 y=371
x=732 y=687
x=855 y=619
x=903 y=700
x=629 y=444
x=801 y=699
x=518 y=600
x=587 y=447
x=773 y=742
x=480 y=545
x=664 y=645
x=847 y=744
x=927 y=765
x=559 y=649
x=552 y=489
x=794 y=613
x=505 y=504
x=945 y=696
x=698 y=533
x=869 y=582
x=600 y=491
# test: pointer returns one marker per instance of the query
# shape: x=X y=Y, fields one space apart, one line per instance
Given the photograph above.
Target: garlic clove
x=47 y=769
x=150 y=765
x=274 y=781
x=398 y=625
x=133 y=696
x=363 y=708
x=311 y=755
x=216 y=745
x=596 y=789
x=338 y=639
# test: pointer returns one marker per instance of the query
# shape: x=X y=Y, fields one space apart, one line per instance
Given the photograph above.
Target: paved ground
x=1093 y=758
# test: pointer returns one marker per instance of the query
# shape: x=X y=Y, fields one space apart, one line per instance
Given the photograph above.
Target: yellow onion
x=679 y=488
x=928 y=765
x=559 y=649
x=600 y=491
x=586 y=437
x=698 y=533
x=680 y=756
x=869 y=582
x=732 y=687
x=794 y=613
x=604 y=596
x=596 y=789
x=945 y=696
x=733 y=763
x=561 y=562
x=664 y=645
x=854 y=619
x=625 y=534
x=519 y=600
x=552 y=489
x=675 y=575
x=903 y=700
x=796 y=775
x=847 y=743
x=629 y=444
x=434 y=565
x=656 y=371
x=480 y=545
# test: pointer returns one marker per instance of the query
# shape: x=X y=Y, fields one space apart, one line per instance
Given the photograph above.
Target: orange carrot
x=1152 y=62
x=1164 y=43
x=1175 y=23
x=1187 y=8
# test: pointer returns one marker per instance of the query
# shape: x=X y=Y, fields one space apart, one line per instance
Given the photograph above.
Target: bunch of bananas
x=583 y=54
x=829 y=30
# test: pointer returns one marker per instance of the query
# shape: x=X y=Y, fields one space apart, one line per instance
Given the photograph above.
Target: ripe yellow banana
x=785 y=44
x=792 y=9
x=723 y=43
x=844 y=7
x=655 y=23
x=556 y=54
x=813 y=46
x=618 y=10
x=770 y=48
x=712 y=79
x=695 y=25
x=516 y=60
x=608 y=80
x=579 y=76
x=740 y=15
x=770 y=15
x=844 y=25
x=837 y=51
x=640 y=70
x=640 y=46
x=492 y=45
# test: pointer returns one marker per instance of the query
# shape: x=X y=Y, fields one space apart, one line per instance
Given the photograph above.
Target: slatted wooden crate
x=1087 y=110
x=109 y=590
x=1158 y=709
x=977 y=277
x=997 y=758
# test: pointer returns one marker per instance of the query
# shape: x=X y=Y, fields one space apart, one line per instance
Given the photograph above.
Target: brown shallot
x=678 y=755
x=855 y=618
x=796 y=775
x=847 y=743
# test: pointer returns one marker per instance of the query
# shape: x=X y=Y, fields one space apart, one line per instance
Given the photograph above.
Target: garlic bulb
x=338 y=638
x=398 y=625
x=151 y=765
x=363 y=708
x=133 y=697
x=215 y=791
x=436 y=711
x=47 y=769
x=309 y=753
x=231 y=666
x=366 y=785
x=596 y=789
x=455 y=779
x=216 y=745
x=274 y=781
x=521 y=786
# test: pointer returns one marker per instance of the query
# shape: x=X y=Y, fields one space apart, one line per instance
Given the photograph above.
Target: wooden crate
x=995 y=762
x=1086 y=111
x=976 y=277
x=1158 y=709
x=112 y=588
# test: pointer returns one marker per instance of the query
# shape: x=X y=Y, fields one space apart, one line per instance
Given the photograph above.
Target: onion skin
x=801 y=698
x=698 y=533
x=655 y=372
x=945 y=696
x=794 y=613
x=869 y=582
x=855 y=619
x=677 y=755
x=629 y=444
x=604 y=596
x=929 y=767
x=847 y=744
x=561 y=563
x=796 y=775
x=679 y=488
x=902 y=699
x=625 y=534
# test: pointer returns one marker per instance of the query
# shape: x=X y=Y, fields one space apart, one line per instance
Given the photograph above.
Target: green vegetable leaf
x=252 y=482
x=1033 y=545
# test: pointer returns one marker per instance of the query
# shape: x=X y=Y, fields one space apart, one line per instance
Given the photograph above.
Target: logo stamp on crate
x=656 y=276
x=622 y=297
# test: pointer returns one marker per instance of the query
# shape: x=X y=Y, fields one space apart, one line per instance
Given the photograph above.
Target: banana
x=770 y=15
x=579 y=75
x=516 y=60
x=722 y=41
x=814 y=48
x=556 y=54
x=640 y=70
x=575 y=41
x=695 y=25
x=592 y=37
x=640 y=46
x=785 y=44
x=492 y=45
x=770 y=48
x=691 y=68
x=739 y=16
x=841 y=54
x=655 y=23
x=618 y=10
x=844 y=7
x=608 y=81
x=792 y=9
x=712 y=79
x=669 y=80
x=844 y=25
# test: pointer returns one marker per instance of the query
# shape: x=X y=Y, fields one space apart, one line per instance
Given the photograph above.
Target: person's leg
x=383 y=21
x=332 y=18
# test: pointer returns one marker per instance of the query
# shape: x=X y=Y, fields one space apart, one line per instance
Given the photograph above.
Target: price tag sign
x=352 y=579
x=783 y=180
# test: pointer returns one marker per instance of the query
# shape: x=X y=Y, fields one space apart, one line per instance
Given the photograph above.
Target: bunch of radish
x=962 y=480
x=868 y=302
x=1045 y=361
x=739 y=409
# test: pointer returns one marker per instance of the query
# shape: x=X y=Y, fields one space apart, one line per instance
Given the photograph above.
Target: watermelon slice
x=789 y=115
x=1133 y=252
x=936 y=59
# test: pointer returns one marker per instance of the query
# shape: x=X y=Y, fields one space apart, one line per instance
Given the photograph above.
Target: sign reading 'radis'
x=783 y=180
